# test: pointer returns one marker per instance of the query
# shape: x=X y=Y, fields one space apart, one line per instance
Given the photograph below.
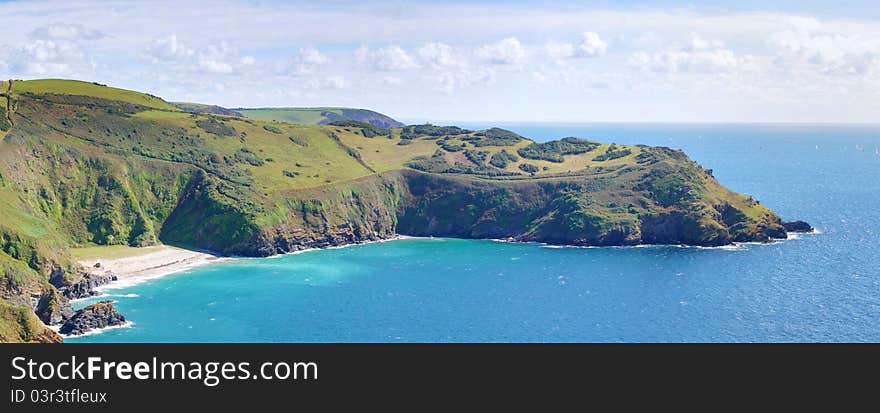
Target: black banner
x=245 y=376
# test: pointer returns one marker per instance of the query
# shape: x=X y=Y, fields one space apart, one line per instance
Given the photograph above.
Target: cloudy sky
x=670 y=61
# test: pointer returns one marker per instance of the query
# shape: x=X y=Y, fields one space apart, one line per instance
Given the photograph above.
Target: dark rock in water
x=53 y=308
x=797 y=226
x=85 y=287
x=99 y=315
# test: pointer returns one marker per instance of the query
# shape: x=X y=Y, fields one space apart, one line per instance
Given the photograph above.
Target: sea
x=821 y=287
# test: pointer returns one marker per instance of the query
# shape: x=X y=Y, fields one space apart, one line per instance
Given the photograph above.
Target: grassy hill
x=320 y=116
x=203 y=108
x=84 y=165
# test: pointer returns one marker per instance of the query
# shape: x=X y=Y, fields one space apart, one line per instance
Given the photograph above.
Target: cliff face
x=116 y=167
x=556 y=211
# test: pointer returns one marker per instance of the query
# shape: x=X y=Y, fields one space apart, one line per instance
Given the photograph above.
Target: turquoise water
x=820 y=287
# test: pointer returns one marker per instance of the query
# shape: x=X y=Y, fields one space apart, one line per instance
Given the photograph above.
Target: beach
x=135 y=265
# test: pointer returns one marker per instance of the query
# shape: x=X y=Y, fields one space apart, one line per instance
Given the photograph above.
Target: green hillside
x=320 y=116
x=84 y=165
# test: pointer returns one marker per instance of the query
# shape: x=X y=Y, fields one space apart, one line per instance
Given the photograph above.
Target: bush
x=501 y=159
x=477 y=157
x=612 y=153
x=367 y=129
x=244 y=155
x=527 y=167
x=272 y=128
x=213 y=126
x=428 y=129
x=554 y=151
x=494 y=137
x=298 y=141
x=451 y=147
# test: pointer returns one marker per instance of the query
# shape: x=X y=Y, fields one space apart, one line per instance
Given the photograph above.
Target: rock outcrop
x=99 y=315
x=85 y=286
x=54 y=308
x=797 y=226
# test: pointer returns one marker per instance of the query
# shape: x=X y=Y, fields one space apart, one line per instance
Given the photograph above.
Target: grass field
x=75 y=87
x=309 y=116
x=110 y=252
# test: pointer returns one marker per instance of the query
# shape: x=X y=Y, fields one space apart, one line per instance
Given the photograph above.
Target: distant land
x=320 y=116
x=83 y=164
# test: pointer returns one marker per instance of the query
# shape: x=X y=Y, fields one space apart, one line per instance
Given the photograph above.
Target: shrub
x=272 y=128
x=501 y=159
x=527 y=167
x=494 y=137
x=412 y=131
x=367 y=129
x=612 y=153
x=554 y=151
x=245 y=155
x=298 y=141
x=216 y=127
x=477 y=157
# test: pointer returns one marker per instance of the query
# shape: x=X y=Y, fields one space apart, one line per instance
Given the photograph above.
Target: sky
x=540 y=61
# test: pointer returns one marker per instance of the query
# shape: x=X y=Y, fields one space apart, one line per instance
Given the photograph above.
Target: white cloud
x=335 y=82
x=698 y=56
x=307 y=62
x=451 y=80
x=219 y=58
x=828 y=53
x=385 y=59
x=437 y=55
x=558 y=50
x=167 y=49
x=66 y=31
x=506 y=52
x=589 y=45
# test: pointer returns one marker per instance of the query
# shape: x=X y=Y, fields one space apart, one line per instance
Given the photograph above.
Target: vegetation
x=368 y=130
x=494 y=137
x=613 y=152
x=502 y=158
x=555 y=150
x=413 y=131
x=216 y=127
x=206 y=109
x=528 y=168
x=320 y=116
x=273 y=129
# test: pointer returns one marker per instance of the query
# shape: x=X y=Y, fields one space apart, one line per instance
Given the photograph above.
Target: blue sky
x=669 y=61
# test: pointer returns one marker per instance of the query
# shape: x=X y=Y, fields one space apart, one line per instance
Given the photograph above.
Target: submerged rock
x=797 y=226
x=99 y=315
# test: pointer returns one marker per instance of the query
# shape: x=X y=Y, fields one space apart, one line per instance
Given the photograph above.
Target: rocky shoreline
x=53 y=306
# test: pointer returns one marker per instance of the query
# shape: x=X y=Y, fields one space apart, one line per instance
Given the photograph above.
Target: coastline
x=164 y=260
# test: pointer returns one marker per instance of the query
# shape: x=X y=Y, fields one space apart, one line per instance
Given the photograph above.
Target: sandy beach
x=135 y=265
